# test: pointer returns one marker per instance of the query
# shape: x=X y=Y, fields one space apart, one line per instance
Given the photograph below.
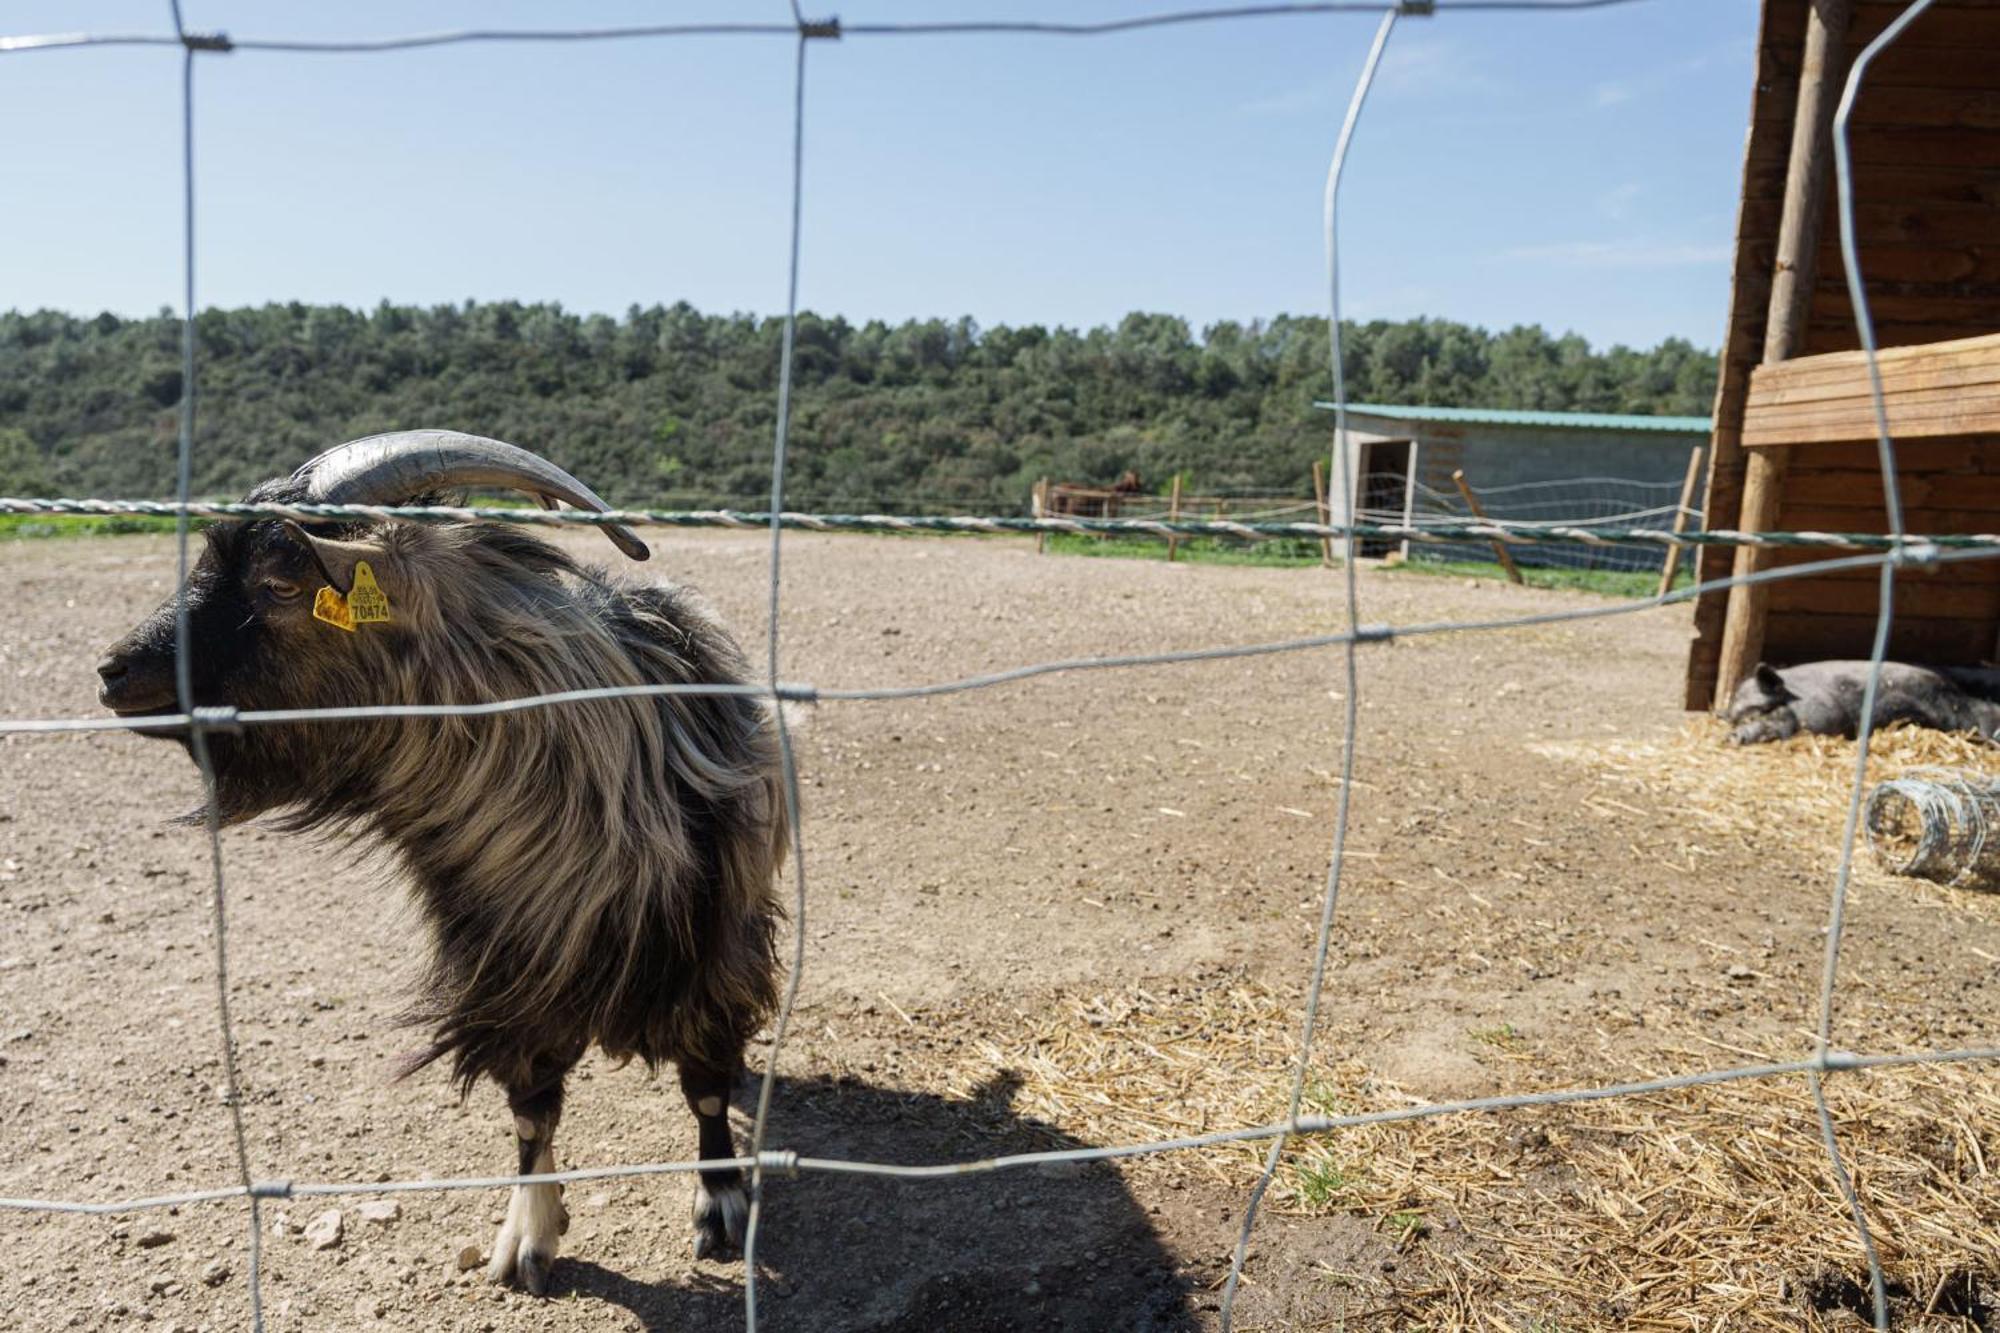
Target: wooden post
x=1173 y=516
x=1041 y=506
x=1499 y=548
x=1325 y=518
x=1786 y=324
x=1672 y=565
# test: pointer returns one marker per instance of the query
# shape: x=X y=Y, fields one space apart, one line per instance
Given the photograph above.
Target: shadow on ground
x=1034 y=1248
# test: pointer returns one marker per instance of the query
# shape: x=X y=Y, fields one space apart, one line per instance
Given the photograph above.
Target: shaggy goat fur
x=593 y=872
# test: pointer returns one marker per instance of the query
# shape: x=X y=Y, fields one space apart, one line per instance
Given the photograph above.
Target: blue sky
x=1577 y=170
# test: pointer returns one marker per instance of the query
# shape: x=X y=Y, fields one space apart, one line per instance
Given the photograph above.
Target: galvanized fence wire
x=1588 y=504
x=1885 y=552
x=1338 y=466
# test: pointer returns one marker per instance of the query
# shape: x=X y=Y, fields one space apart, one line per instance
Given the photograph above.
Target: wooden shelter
x=1794 y=444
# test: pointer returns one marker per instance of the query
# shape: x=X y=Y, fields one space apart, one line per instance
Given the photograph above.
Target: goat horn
x=387 y=469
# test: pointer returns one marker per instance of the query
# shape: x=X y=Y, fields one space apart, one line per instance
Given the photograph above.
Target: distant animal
x=1824 y=698
x=592 y=872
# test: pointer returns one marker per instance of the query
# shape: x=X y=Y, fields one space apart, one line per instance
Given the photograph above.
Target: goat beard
x=235 y=799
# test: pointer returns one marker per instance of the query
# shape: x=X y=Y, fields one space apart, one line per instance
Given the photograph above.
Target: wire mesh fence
x=1579 y=504
x=1630 y=527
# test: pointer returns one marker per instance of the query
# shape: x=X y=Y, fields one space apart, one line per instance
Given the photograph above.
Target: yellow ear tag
x=331 y=607
x=367 y=604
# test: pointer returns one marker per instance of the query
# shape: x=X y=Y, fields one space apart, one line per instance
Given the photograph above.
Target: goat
x=591 y=872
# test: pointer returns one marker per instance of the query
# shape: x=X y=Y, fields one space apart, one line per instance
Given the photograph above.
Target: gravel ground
x=977 y=863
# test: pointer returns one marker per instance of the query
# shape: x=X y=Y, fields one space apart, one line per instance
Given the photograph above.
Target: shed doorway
x=1385 y=491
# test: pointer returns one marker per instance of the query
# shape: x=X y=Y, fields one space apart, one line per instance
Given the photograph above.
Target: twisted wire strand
x=222 y=718
x=1512 y=531
x=800 y=27
x=789 y=1162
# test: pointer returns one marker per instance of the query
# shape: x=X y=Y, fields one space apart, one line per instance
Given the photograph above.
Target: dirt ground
x=1075 y=909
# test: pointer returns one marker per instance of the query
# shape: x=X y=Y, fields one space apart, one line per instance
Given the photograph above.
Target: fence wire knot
x=828 y=28
x=218 y=717
x=1919 y=552
x=271 y=1189
x=207 y=41
x=779 y=1161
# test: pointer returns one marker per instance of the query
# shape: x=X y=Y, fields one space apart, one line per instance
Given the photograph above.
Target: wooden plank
x=1974 y=410
x=1893 y=221
x=1929 y=106
x=1941 y=25
x=1843 y=518
x=1918 y=456
x=1900 y=378
x=1839 y=335
x=1960 y=573
x=1926 y=405
x=1765 y=180
x=1878 y=142
x=1980 y=311
x=1915 y=65
x=1922 y=600
x=1971 y=411
x=1808 y=399
x=1897 y=365
x=1802 y=636
x=1935 y=272
x=1856 y=488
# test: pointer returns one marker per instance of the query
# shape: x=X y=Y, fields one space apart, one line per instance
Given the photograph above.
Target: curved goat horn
x=386 y=469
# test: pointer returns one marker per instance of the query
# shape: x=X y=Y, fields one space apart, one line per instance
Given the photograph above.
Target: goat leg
x=525 y=1250
x=721 y=1205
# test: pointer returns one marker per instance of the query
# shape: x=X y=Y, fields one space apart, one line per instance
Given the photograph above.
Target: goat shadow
x=1026 y=1248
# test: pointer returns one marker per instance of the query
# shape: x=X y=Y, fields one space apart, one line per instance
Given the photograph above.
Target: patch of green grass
x=1621 y=583
x=1501 y=1035
x=1323 y=1184
x=1282 y=551
x=29 y=527
x=1407 y=1226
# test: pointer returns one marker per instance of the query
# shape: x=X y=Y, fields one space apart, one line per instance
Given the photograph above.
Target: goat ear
x=335 y=560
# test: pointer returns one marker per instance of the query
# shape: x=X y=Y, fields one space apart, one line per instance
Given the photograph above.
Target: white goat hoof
x=719 y=1219
x=524 y=1253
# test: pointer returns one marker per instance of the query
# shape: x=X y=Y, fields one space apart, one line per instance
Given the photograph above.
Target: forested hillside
x=670 y=406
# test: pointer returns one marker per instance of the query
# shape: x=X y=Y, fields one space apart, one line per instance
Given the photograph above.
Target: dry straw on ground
x=1704 y=1209
x=1709 y=1208
x=1801 y=784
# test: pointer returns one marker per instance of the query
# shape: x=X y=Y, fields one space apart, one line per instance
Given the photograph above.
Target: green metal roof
x=1498 y=416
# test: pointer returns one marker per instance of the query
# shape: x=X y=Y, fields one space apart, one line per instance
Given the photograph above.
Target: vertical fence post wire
x=184 y=678
x=1892 y=504
x=1331 y=221
x=786 y=756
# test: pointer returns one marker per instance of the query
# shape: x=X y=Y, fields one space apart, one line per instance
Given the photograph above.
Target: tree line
x=669 y=406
